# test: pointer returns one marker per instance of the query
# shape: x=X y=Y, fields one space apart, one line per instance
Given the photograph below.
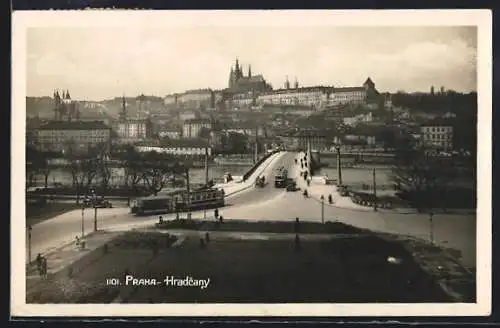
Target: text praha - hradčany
x=168 y=281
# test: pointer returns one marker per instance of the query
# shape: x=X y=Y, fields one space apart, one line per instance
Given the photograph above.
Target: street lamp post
x=322 y=209
x=83 y=220
x=29 y=243
x=431 y=227
x=374 y=192
x=188 y=201
x=339 y=167
x=95 y=211
x=206 y=174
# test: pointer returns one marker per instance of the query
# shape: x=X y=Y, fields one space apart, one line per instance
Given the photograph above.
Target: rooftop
x=198 y=121
x=349 y=89
x=197 y=143
x=74 y=125
x=439 y=122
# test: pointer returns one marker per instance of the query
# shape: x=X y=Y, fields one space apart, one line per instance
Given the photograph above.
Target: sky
x=97 y=63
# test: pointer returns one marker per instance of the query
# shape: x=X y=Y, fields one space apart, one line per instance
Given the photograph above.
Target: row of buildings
x=80 y=136
x=254 y=91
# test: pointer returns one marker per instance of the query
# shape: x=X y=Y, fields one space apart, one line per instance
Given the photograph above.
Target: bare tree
x=102 y=160
x=155 y=173
x=45 y=169
x=83 y=169
x=134 y=169
x=31 y=166
x=415 y=174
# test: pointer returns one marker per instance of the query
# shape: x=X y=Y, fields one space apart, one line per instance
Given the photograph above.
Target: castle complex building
x=76 y=136
x=239 y=83
x=253 y=90
x=65 y=107
x=130 y=130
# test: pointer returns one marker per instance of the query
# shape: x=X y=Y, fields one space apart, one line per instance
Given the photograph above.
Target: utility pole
x=256 y=150
x=322 y=209
x=431 y=227
x=95 y=211
x=206 y=175
x=188 y=201
x=339 y=167
x=83 y=220
x=206 y=162
x=374 y=192
x=29 y=243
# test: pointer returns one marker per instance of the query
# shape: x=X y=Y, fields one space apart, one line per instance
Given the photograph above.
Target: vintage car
x=98 y=202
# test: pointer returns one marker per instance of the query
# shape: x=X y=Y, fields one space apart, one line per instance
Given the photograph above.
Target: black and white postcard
x=251 y=163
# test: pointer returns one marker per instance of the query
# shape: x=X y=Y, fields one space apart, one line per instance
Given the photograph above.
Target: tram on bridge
x=280 y=179
x=178 y=202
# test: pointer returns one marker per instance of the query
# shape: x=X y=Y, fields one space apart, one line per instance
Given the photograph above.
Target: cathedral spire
x=123 y=114
x=249 y=70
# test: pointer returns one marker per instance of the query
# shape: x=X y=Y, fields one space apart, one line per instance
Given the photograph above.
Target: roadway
x=269 y=203
x=53 y=233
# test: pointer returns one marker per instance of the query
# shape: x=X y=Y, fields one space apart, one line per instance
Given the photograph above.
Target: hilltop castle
x=65 y=106
x=239 y=83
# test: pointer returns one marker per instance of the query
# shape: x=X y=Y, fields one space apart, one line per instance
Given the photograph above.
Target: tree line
x=149 y=171
x=428 y=181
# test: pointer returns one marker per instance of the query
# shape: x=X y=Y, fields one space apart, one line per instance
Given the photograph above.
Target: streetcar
x=204 y=198
x=280 y=180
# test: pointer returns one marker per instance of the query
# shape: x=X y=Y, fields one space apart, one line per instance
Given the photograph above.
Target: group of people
x=41 y=265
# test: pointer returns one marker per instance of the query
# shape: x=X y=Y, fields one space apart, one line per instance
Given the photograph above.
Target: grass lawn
x=262 y=226
x=38 y=213
x=336 y=270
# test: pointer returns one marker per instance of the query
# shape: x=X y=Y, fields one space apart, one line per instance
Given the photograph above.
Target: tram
x=178 y=202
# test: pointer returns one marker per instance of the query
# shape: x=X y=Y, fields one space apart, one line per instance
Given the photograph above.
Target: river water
x=196 y=175
x=350 y=176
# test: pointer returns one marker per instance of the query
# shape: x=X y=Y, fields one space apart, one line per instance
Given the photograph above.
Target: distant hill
x=43 y=107
x=149 y=104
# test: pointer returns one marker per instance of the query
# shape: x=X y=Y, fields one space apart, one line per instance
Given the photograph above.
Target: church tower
x=231 y=79
x=287 y=83
x=57 y=105
x=249 y=70
x=123 y=113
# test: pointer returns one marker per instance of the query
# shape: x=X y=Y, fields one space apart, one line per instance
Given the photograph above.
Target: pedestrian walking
x=38 y=262
x=296 y=225
x=44 y=266
x=216 y=213
x=330 y=199
x=306 y=194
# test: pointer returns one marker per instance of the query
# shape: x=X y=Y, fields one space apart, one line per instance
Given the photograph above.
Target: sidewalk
x=60 y=258
x=318 y=188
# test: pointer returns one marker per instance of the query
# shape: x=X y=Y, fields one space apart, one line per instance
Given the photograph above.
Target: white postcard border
x=480 y=18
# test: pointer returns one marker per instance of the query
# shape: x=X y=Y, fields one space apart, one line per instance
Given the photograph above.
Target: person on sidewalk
x=306 y=194
x=296 y=225
x=44 y=266
x=330 y=199
x=216 y=213
x=38 y=262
